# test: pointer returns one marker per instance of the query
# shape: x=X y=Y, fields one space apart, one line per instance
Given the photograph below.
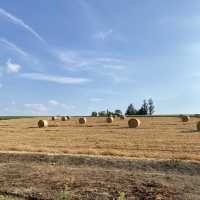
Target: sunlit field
x=100 y=160
x=156 y=138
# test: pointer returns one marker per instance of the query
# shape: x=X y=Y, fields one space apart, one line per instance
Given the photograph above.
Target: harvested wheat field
x=156 y=138
x=97 y=160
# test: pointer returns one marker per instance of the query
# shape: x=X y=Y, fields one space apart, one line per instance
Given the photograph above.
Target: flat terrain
x=159 y=160
x=157 y=138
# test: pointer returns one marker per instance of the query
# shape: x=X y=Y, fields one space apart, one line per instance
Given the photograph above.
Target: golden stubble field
x=156 y=138
x=100 y=160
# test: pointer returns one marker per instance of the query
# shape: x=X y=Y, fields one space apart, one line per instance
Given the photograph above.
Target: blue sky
x=77 y=56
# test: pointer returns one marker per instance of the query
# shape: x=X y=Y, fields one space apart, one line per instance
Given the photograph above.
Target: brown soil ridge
x=184 y=167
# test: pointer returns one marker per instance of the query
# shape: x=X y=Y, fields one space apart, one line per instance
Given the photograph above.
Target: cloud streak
x=56 y=104
x=13 y=47
x=54 y=79
x=20 y=22
x=74 y=60
x=35 y=108
x=103 y=35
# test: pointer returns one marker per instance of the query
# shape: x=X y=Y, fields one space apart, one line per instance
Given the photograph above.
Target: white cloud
x=13 y=47
x=35 y=108
x=55 y=103
x=55 y=79
x=103 y=35
x=114 y=68
x=12 y=67
x=20 y=22
x=73 y=60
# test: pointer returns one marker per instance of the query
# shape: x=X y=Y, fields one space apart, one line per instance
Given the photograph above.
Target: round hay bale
x=68 y=117
x=42 y=123
x=198 y=126
x=134 y=123
x=185 y=118
x=63 y=118
x=54 y=118
x=122 y=117
x=109 y=119
x=82 y=120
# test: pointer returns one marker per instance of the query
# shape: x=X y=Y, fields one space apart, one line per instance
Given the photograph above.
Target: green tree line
x=147 y=108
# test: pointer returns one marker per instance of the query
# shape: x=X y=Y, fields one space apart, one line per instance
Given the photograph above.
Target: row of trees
x=147 y=108
x=107 y=113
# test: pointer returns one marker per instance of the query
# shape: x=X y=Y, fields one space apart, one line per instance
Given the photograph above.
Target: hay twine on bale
x=134 y=123
x=42 y=123
x=185 y=118
x=82 y=120
x=109 y=119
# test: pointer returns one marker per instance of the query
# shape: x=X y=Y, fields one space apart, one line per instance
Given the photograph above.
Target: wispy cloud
x=83 y=61
x=71 y=59
x=13 y=47
x=55 y=79
x=103 y=35
x=114 y=68
x=12 y=67
x=35 y=108
x=20 y=22
x=54 y=103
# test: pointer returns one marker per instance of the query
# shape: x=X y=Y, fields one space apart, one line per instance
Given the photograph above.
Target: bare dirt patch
x=45 y=177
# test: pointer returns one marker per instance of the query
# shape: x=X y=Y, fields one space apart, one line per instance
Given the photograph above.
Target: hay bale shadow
x=121 y=127
x=53 y=126
x=190 y=131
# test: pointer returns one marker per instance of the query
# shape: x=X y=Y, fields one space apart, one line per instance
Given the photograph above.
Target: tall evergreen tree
x=144 y=108
x=151 y=106
x=131 y=110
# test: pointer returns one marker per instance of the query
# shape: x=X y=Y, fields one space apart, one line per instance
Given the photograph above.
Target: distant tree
x=131 y=110
x=109 y=113
x=118 y=112
x=144 y=108
x=102 y=113
x=94 y=114
x=151 y=106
